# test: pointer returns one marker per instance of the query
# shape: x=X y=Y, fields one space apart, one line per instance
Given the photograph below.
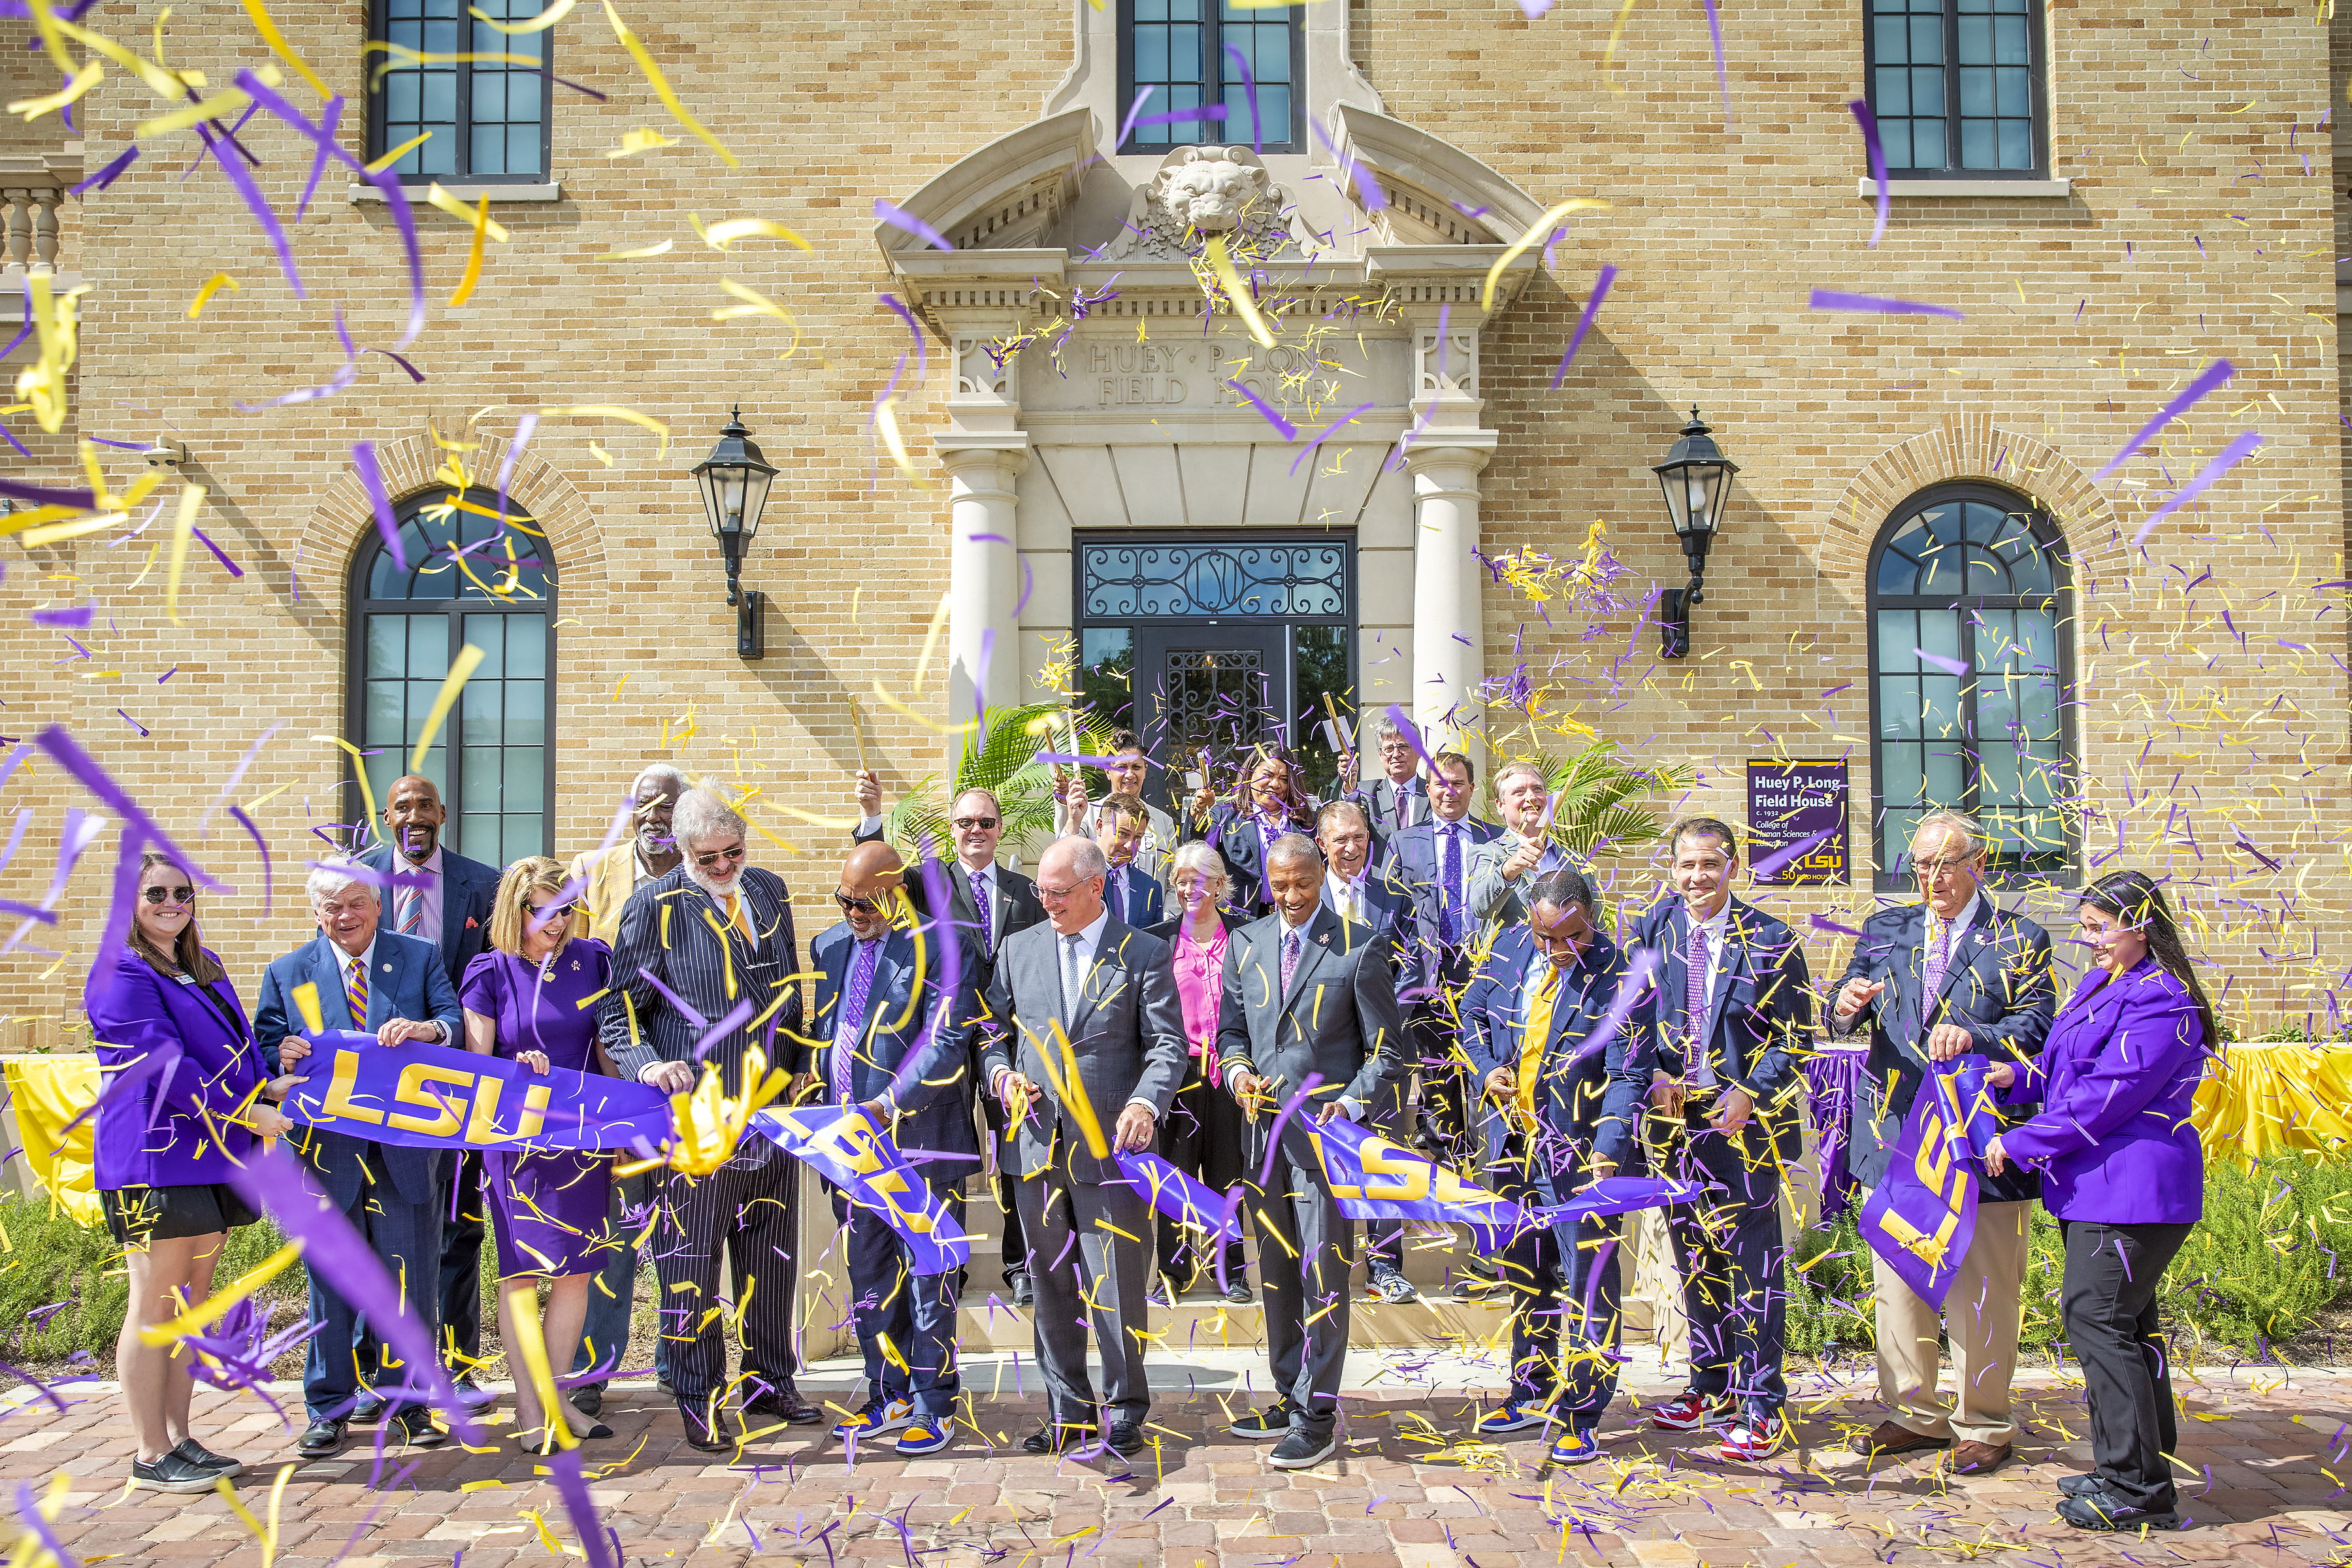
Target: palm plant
x=1599 y=805
x=1000 y=754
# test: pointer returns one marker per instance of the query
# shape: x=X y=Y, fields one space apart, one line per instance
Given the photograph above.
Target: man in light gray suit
x=1306 y=994
x=1086 y=1007
x=1519 y=856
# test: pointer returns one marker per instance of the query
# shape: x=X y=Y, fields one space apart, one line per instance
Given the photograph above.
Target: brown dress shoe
x=1979 y=1458
x=1887 y=1437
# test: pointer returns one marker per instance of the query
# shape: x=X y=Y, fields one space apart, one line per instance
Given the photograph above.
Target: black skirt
x=139 y=1216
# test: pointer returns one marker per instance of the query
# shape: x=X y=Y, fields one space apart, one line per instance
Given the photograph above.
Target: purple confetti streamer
x=109 y=175
x=401 y=360
x=330 y=113
x=1722 y=82
x=2211 y=380
x=1584 y=323
x=1289 y=431
x=1871 y=144
x=1249 y=86
x=77 y=617
x=898 y=217
x=246 y=823
x=2230 y=455
x=41 y=495
x=1949 y=666
x=1833 y=300
x=372 y=480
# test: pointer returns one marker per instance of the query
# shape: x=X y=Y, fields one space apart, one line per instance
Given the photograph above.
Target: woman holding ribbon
x=1202 y=1134
x=2123 y=1173
x=178 y=1116
x=548 y=1209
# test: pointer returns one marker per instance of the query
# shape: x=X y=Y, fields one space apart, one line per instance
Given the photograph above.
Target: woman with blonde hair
x=548 y=1209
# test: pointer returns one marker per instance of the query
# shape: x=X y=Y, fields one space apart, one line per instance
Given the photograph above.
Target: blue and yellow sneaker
x=880 y=1415
x=1577 y=1446
x=1511 y=1417
x=927 y=1436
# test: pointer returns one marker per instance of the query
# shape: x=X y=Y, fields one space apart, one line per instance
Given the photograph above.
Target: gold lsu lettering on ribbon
x=1391 y=1175
x=852 y=1138
x=441 y=1091
x=1932 y=1163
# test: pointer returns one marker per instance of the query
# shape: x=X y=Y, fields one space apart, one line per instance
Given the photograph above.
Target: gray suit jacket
x=1127 y=1034
x=1492 y=901
x=1340 y=1018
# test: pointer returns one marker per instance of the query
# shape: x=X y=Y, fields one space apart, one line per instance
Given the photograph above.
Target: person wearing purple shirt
x=2123 y=1173
x=1268 y=807
x=165 y=1145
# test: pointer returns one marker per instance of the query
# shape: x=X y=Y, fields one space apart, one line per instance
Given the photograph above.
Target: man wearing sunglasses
x=895 y=1010
x=989 y=904
x=694 y=946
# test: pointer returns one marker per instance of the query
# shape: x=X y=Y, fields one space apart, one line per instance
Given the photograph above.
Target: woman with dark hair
x=1269 y=803
x=2125 y=1175
x=165 y=1145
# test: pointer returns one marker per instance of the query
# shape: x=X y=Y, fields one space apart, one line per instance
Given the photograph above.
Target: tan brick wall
x=2068 y=345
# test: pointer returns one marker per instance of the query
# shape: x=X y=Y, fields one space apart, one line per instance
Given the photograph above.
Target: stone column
x=1448 y=642
x=984 y=574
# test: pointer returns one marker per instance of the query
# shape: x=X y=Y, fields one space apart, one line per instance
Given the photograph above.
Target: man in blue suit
x=1955 y=975
x=441 y=897
x=893 y=1038
x=396 y=988
x=1732 y=1016
x=1432 y=860
x=1131 y=892
x=1560 y=1111
x=1397 y=799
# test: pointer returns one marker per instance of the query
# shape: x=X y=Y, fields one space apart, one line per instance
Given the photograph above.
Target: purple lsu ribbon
x=430 y=1096
x=1616 y=1196
x=1375 y=1179
x=842 y=1143
x=1922 y=1215
x=1184 y=1199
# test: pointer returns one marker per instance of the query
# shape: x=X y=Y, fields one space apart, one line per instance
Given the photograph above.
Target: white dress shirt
x=1345 y=898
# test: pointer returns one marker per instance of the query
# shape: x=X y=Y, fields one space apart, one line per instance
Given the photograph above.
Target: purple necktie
x=1449 y=903
x=987 y=917
x=850 y=1022
x=1940 y=959
x=1289 y=958
x=1399 y=791
x=1268 y=830
x=1695 y=995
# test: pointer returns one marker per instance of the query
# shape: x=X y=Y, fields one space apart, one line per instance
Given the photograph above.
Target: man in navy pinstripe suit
x=693 y=947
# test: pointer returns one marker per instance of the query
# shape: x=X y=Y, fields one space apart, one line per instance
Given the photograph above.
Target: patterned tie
x=1267 y=832
x=411 y=904
x=355 y=992
x=1939 y=960
x=1072 y=981
x=1695 y=995
x=980 y=902
x=1289 y=958
x=1449 y=908
x=851 y=1023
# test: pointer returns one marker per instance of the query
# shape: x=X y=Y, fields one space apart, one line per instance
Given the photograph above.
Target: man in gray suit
x=1306 y=994
x=1521 y=854
x=1086 y=1008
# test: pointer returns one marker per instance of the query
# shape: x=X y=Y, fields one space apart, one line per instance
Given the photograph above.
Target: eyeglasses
x=1046 y=892
x=716 y=856
x=982 y=822
x=180 y=895
x=549 y=912
x=1929 y=870
x=852 y=905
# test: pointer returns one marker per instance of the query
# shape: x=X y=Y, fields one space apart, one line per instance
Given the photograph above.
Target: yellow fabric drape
x=48 y=1092
x=2260 y=1099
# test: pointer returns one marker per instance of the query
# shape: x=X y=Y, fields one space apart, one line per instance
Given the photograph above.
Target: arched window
x=1970 y=696
x=1203 y=53
x=470 y=579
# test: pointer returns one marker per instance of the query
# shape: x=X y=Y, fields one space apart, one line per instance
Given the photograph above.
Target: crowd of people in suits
x=1172 y=983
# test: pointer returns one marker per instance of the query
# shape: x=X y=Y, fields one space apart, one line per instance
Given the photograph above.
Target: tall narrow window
x=1958 y=87
x=479 y=93
x=1970 y=698
x=1212 y=54
x=469 y=581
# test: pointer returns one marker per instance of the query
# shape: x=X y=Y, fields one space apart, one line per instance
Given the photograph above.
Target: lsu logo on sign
x=438 y=1101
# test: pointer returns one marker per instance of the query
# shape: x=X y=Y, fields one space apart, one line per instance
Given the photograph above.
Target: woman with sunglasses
x=166 y=1144
x=550 y=1210
x=2124 y=1171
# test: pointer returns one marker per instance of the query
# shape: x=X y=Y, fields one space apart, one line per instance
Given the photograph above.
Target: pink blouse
x=1200 y=986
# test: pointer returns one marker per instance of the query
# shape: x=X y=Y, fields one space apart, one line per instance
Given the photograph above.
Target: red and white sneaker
x=1755 y=1435
x=1690 y=1411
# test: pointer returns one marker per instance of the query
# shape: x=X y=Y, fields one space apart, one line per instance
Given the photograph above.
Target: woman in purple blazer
x=2125 y=1175
x=170 y=1030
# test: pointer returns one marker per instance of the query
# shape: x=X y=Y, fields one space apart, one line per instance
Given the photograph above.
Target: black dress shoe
x=367 y=1412
x=1053 y=1439
x=2104 y=1510
x=415 y=1428
x=701 y=1439
x=1025 y=1292
x=323 y=1438
x=588 y=1399
x=1238 y=1294
x=1125 y=1438
x=784 y=1403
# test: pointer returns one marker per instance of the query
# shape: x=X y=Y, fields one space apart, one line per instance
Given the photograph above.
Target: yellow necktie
x=735 y=914
x=1537 y=1035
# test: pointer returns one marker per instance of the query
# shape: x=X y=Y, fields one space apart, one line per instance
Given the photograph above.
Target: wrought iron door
x=1213 y=690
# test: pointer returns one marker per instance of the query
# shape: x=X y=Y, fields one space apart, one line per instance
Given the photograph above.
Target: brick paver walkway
x=1409 y=1492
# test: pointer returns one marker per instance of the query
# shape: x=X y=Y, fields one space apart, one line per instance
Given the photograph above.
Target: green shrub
x=2266 y=1258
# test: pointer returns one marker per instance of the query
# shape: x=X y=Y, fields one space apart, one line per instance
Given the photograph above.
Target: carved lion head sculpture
x=1207 y=187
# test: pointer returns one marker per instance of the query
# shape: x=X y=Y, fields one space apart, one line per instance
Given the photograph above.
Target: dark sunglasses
x=979 y=822
x=180 y=895
x=853 y=906
x=716 y=856
x=550 y=912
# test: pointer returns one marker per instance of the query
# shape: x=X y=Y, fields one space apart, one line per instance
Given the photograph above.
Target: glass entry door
x=1209 y=695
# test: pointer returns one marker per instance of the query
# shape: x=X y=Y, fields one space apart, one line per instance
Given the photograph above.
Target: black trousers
x=2107 y=1300
x=461 y=1261
x=1016 y=1247
x=1202 y=1137
x=753 y=1211
x=1728 y=1250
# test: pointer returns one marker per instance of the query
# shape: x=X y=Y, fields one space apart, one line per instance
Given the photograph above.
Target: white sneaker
x=880 y=1415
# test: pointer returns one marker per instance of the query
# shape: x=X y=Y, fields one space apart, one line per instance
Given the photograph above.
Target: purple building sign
x=1789 y=802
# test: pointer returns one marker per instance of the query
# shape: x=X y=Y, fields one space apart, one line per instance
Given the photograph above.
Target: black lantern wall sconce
x=734 y=482
x=1696 y=479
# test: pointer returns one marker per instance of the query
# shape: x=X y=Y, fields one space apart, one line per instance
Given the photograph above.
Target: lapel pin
x=388 y=969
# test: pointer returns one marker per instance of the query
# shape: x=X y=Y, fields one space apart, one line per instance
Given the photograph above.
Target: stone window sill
x=466 y=191
x=2039 y=190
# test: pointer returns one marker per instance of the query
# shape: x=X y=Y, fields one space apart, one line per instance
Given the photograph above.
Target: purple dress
x=550 y=1211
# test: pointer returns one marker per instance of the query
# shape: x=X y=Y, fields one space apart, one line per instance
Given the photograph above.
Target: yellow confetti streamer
x=719 y=236
x=88 y=76
x=306 y=1002
x=641 y=138
x=194 y=1320
x=481 y=219
x=397 y=153
x=885 y=419
x=613 y=411
x=640 y=254
x=187 y=114
x=662 y=88
x=1534 y=237
x=213 y=285
x=1244 y=306
x=183 y=528
x=455 y=208
x=267 y=29
x=538 y=24
x=42 y=384
x=533 y=1343
x=460 y=668
x=756 y=304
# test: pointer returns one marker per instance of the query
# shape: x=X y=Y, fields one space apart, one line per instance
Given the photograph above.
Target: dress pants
x=1393 y=1120
x=462 y=1208
x=1307 y=1251
x=2107 y=1300
x=1016 y=1249
x=1565 y=1318
x=753 y=1211
x=915 y=1312
x=1981 y=1313
x=1728 y=1250
x=1448 y=1101
x=612 y=1296
x=1202 y=1138
x=344 y=1354
x=1091 y=1266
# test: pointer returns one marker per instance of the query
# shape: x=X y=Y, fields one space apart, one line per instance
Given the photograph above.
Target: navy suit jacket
x=1411 y=859
x=405 y=981
x=1379 y=800
x=469 y=893
x=1150 y=907
x=933 y=1103
x=1759 y=1017
x=1997 y=987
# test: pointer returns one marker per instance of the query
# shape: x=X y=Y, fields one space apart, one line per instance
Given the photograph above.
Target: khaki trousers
x=1982 y=1311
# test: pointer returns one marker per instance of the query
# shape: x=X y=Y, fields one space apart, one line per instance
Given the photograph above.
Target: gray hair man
x=1397 y=799
x=1502 y=867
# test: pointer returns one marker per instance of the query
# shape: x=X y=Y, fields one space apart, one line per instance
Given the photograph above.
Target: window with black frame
x=479 y=97
x=1248 y=60
x=1970 y=698
x=1958 y=87
x=470 y=580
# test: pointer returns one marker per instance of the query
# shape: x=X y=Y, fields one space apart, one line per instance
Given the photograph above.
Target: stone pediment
x=1008 y=194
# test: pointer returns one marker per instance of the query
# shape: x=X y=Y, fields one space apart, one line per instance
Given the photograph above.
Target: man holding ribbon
x=1309 y=1009
x=1732 y=1016
x=895 y=1011
x=1083 y=1023
x=704 y=970
x=1952 y=978
x=1560 y=1114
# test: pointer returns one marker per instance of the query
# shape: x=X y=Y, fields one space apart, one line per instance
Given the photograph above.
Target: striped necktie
x=355 y=990
x=409 y=904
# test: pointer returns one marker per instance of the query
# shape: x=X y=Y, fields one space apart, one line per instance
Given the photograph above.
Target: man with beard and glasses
x=606 y=879
x=443 y=898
